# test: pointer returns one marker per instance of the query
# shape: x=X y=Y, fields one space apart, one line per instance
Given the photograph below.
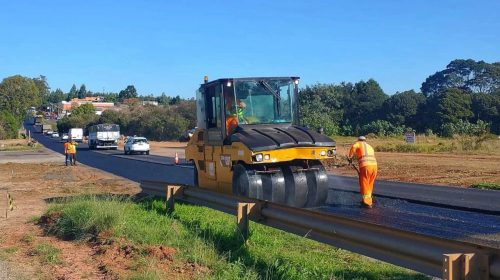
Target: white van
x=76 y=134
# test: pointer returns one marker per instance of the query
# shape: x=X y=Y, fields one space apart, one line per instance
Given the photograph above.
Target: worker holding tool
x=367 y=168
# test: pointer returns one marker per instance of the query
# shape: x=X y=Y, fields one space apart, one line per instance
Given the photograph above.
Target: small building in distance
x=65 y=107
x=147 y=102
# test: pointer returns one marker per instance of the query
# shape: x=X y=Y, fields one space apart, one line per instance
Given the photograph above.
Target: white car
x=136 y=145
x=64 y=136
x=55 y=135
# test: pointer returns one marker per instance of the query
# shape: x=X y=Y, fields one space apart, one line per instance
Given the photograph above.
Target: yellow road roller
x=249 y=142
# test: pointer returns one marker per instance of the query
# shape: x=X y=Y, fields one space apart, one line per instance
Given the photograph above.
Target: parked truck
x=104 y=136
x=76 y=134
x=46 y=128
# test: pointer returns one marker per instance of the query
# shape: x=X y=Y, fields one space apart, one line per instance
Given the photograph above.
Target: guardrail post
x=243 y=217
x=170 y=192
x=465 y=267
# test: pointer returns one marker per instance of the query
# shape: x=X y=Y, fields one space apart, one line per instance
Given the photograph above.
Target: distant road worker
x=72 y=152
x=66 y=149
x=367 y=169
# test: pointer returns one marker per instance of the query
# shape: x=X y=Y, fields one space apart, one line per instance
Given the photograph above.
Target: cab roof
x=224 y=80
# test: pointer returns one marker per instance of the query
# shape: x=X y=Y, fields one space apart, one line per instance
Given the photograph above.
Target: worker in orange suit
x=367 y=169
x=66 y=153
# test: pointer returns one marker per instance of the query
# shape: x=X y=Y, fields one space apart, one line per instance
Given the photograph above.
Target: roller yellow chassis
x=214 y=162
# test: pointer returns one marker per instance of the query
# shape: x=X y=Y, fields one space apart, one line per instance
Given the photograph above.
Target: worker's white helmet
x=362 y=138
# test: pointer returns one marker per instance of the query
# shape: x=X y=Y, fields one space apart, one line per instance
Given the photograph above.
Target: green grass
x=486 y=186
x=47 y=253
x=209 y=238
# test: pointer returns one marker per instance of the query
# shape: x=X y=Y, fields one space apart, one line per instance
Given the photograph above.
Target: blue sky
x=168 y=46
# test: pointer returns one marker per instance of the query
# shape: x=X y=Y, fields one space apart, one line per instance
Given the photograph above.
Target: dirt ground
x=434 y=169
x=32 y=186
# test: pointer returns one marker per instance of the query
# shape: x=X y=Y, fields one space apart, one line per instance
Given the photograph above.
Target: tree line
x=153 y=122
x=462 y=98
x=130 y=92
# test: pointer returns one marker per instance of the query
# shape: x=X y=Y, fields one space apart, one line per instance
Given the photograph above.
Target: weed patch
x=47 y=253
x=486 y=186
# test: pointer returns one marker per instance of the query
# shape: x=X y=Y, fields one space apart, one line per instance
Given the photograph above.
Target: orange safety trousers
x=367 y=175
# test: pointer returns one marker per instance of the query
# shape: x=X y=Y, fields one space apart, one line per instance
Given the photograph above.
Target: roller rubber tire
x=246 y=183
x=295 y=186
x=317 y=183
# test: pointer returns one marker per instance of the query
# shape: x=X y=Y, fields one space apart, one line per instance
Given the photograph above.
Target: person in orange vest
x=66 y=153
x=367 y=169
x=72 y=152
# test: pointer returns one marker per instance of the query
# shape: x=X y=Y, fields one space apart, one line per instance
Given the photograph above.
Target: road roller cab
x=249 y=142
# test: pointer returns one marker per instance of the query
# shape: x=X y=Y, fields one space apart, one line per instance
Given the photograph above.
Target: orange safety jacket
x=66 y=147
x=364 y=152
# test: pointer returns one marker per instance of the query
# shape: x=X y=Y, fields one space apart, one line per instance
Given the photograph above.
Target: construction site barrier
x=439 y=257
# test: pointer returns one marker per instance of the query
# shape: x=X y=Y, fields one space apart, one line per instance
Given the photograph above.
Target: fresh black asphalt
x=413 y=207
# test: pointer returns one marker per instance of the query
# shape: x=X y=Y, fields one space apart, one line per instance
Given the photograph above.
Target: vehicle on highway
x=55 y=135
x=46 y=128
x=249 y=142
x=104 y=136
x=64 y=136
x=136 y=145
x=76 y=134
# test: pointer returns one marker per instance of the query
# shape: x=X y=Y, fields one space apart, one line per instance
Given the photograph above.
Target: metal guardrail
x=434 y=256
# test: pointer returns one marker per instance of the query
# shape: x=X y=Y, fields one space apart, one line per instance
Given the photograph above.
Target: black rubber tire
x=317 y=184
x=147 y=152
x=246 y=182
x=273 y=187
x=295 y=186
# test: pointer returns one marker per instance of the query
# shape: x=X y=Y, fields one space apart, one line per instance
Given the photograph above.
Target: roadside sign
x=410 y=137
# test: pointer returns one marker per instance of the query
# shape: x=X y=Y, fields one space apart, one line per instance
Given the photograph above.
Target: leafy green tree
x=468 y=75
x=321 y=107
x=163 y=99
x=17 y=94
x=363 y=102
x=73 y=93
x=383 y=128
x=82 y=92
x=175 y=100
x=402 y=108
x=56 y=96
x=486 y=107
x=43 y=88
x=449 y=106
x=84 y=110
x=9 y=125
x=110 y=97
x=129 y=92
x=81 y=117
x=186 y=109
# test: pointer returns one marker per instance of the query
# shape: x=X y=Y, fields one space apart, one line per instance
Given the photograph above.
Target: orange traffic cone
x=176 y=159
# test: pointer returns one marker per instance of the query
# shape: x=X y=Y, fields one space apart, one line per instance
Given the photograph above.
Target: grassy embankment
x=208 y=239
x=19 y=145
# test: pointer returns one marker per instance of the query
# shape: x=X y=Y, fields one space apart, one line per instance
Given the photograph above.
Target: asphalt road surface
x=467 y=215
